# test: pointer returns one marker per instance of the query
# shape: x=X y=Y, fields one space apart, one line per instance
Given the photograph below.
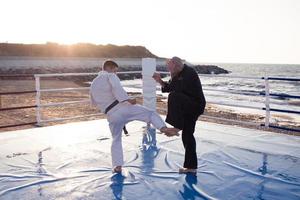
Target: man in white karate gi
x=110 y=97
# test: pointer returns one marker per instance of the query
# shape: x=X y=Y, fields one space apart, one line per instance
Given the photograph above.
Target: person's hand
x=132 y=101
x=156 y=76
x=170 y=131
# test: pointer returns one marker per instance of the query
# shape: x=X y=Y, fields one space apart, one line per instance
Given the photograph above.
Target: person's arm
x=132 y=101
x=165 y=87
x=92 y=100
x=196 y=87
x=117 y=89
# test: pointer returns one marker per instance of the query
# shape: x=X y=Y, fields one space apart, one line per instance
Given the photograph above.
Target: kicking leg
x=141 y=113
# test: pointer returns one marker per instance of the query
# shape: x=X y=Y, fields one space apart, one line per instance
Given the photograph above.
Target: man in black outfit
x=186 y=103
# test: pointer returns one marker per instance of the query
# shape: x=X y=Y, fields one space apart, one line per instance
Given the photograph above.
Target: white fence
x=266 y=94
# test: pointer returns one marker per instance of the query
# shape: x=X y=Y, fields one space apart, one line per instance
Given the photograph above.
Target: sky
x=212 y=31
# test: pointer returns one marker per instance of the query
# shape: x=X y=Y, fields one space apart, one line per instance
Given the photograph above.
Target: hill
x=75 y=50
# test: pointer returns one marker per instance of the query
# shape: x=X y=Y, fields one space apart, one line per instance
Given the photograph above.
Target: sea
x=252 y=89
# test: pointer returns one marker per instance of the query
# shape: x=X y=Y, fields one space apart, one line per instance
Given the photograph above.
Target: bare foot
x=117 y=169
x=170 y=131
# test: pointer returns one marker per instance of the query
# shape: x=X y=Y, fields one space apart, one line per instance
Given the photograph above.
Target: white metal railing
x=38 y=77
x=81 y=74
x=267 y=102
x=38 y=99
x=63 y=89
x=64 y=103
x=265 y=94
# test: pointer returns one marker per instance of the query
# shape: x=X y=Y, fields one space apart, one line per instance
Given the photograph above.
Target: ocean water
x=251 y=89
x=244 y=86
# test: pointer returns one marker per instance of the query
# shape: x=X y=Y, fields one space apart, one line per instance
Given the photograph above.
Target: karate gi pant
x=183 y=114
x=120 y=115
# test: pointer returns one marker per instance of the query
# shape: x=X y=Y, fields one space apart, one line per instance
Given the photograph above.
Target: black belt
x=111 y=106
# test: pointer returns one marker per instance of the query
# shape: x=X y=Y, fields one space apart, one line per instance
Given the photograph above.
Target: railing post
x=38 y=100
x=267 y=102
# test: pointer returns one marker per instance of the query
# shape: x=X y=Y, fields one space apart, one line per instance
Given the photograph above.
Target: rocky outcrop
x=210 y=69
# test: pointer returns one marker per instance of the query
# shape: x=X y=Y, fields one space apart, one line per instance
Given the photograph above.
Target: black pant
x=189 y=143
x=182 y=114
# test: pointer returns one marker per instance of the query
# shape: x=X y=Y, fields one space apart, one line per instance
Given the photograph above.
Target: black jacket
x=187 y=82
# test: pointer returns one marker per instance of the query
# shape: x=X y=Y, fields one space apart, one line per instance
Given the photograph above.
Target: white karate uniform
x=105 y=89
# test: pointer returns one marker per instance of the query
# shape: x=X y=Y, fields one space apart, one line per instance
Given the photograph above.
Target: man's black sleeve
x=166 y=87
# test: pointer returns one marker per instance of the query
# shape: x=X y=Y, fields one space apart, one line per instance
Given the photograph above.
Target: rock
x=210 y=69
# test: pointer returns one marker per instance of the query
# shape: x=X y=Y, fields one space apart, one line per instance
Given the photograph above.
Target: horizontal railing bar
x=223 y=76
x=63 y=103
x=280 y=104
x=284 y=111
x=64 y=74
x=130 y=72
x=64 y=89
x=252 y=107
x=232 y=105
x=219 y=76
x=17 y=108
x=19 y=92
x=82 y=74
x=234 y=92
x=73 y=102
x=69 y=89
x=281 y=95
x=14 y=125
x=16 y=75
x=283 y=79
x=271 y=102
x=246 y=77
x=70 y=118
x=253 y=93
x=285 y=95
x=285 y=128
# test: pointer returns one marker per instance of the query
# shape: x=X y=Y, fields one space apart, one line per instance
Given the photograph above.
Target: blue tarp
x=72 y=161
